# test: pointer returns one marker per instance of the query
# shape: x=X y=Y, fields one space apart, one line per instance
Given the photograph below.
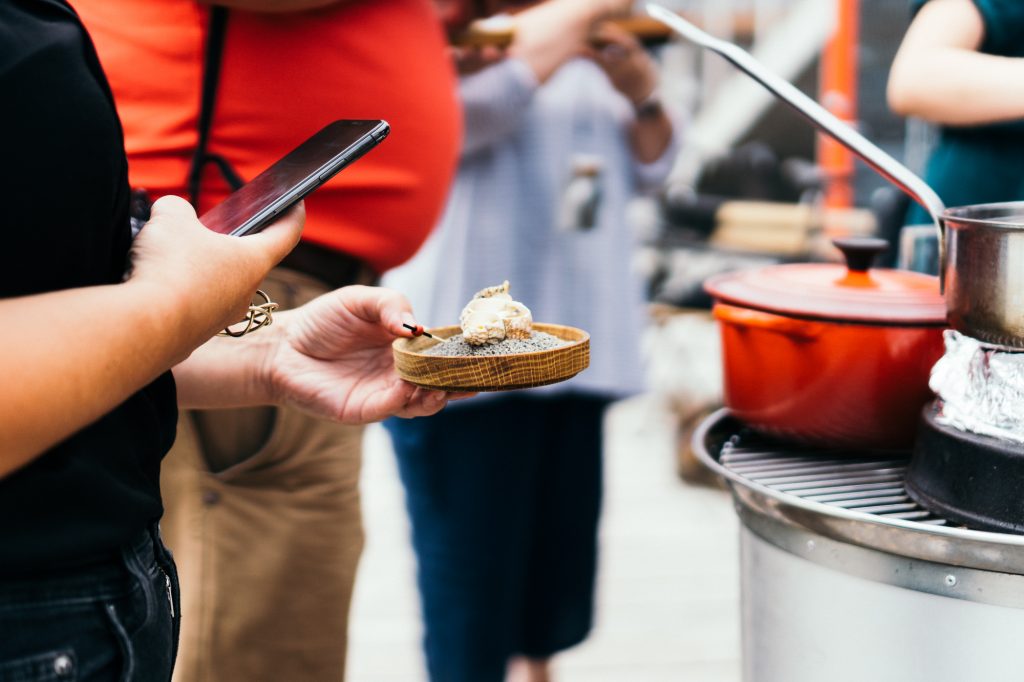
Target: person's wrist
x=648 y=106
x=264 y=381
x=184 y=327
x=168 y=330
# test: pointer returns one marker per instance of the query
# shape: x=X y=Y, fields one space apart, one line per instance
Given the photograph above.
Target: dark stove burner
x=970 y=479
x=864 y=482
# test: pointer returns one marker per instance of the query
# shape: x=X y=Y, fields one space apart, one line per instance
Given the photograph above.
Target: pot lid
x=851 y=293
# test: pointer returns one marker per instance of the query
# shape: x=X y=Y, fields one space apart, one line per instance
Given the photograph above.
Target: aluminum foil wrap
x=981 y=388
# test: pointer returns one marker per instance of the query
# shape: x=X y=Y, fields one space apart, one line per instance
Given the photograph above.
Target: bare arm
x=939 y=76
x=331 y=357
x=69 y=357
x=633 y=73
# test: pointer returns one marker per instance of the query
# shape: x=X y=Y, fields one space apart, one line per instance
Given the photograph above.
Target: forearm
x=69 y=357
x=958 y=87
x=331 y=358
x=227 y=372
x=939 y=75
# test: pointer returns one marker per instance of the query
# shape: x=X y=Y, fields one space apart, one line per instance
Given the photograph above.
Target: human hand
x=206 y=279
x=630 y=69
x=332 y=357
x=550 y=33
x=472 y=59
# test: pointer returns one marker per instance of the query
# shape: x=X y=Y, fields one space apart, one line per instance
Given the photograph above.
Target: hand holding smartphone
x=255 y=205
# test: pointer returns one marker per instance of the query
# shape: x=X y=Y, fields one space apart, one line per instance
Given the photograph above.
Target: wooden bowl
x=473 y=373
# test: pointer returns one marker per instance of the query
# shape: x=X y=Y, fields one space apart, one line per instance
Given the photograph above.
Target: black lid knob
x=860 y=252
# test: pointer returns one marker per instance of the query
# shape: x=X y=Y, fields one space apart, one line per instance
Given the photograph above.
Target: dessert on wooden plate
x=496 y=346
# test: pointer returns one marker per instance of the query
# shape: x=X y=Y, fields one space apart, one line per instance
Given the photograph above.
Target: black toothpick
x=418 y=330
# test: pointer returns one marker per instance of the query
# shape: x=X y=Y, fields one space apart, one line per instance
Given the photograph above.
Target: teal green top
x=982 y=164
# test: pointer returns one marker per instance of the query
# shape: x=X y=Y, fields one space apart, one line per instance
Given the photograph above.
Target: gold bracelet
x=259 y=315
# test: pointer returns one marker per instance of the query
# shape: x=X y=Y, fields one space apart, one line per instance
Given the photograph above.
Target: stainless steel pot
x=984 y=272
x=981 y=248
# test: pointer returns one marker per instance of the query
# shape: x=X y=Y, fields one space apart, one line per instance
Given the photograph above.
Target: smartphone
x=255 y=204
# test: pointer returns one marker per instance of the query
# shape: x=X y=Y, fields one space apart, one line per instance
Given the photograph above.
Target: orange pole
x=838 y=92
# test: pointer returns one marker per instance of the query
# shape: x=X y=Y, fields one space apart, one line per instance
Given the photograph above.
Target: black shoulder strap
x=211 y=79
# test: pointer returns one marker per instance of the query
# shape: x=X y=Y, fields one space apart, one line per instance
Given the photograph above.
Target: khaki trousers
x=262 y=515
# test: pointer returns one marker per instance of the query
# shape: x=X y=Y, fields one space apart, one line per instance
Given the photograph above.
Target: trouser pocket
x=144 y=627
x=53 y=666
x=124 y=643
x=108 y=622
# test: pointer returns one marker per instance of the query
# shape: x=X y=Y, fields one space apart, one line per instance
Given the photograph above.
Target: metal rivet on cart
x=950 y=580
x=63 y=665
x=810 y=545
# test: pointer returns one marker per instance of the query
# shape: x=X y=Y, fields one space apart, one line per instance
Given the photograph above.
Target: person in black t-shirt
x=88 y=399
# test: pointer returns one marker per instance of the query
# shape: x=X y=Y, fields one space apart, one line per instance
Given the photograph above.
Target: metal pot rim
x=962 y=214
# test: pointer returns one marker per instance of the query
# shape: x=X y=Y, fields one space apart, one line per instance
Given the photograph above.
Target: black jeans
x=116 y=621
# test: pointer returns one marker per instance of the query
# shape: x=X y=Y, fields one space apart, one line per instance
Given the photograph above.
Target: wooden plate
x=471 y=373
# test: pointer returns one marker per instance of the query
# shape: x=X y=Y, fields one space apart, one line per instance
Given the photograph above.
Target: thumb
x=396 y=314
x=383 y=307
x=281 y=236
x=172 y=208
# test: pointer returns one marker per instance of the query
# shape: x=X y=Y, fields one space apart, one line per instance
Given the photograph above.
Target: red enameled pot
x=827 y=354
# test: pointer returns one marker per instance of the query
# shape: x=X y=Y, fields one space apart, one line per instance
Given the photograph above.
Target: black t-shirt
x=64 y=224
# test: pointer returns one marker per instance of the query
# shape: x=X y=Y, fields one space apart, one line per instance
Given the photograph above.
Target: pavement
x=668 y=582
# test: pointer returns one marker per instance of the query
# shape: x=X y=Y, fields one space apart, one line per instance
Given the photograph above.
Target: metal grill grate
x=865 y=484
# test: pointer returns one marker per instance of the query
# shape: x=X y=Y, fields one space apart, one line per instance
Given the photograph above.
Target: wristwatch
x=648 y=107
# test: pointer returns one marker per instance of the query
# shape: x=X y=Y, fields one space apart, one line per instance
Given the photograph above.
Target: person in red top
x=264 y=502
x=283 y=76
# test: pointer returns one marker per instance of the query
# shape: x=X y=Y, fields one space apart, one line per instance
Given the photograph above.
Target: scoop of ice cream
x=518 y=321
x=483 y=327
x=495 y=302
x=484 y=305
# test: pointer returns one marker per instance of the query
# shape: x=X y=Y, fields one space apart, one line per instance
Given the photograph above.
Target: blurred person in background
x=95 y=363
x=504 y=494
x=266 y=501
x=956 y=68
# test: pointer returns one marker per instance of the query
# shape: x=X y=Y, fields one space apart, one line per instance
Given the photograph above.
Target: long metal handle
x=824 y=120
